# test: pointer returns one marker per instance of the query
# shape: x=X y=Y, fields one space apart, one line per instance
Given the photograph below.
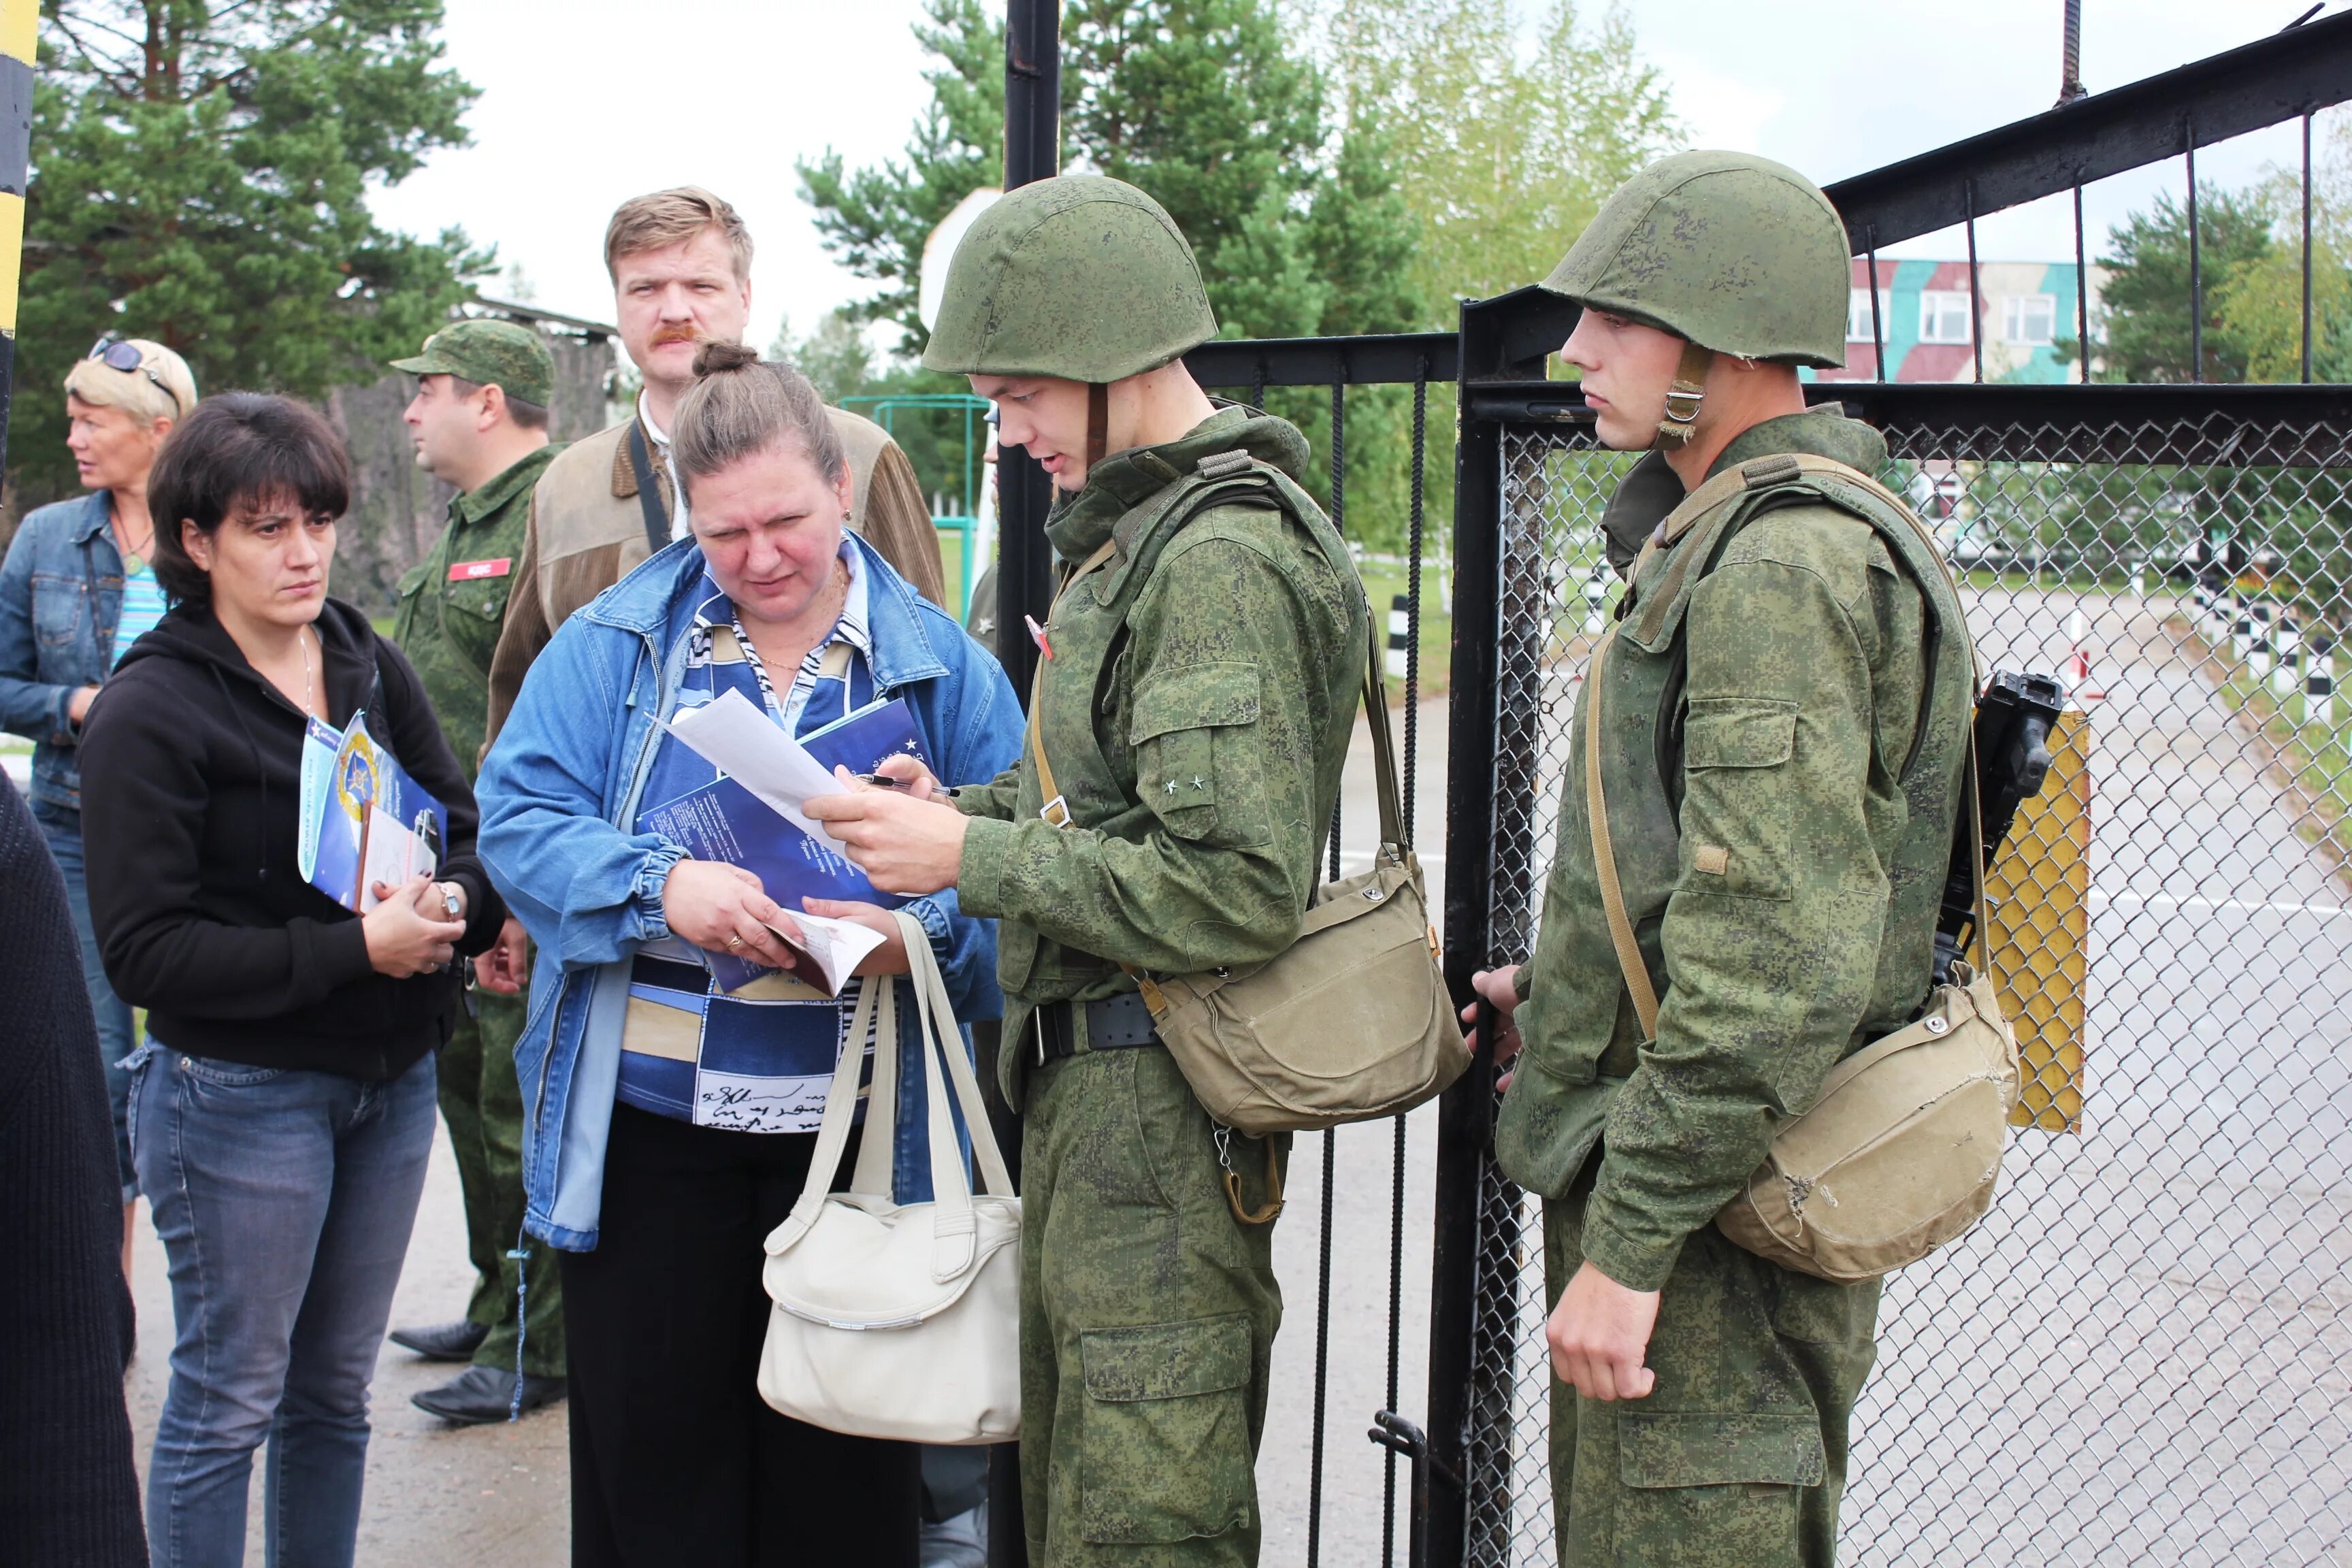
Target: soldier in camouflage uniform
x=1197 y=685
x=479 y=422
x=1782 y=749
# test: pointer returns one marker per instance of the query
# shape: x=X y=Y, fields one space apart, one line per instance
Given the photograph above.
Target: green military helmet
x=1732 y=252
x=1078 y=277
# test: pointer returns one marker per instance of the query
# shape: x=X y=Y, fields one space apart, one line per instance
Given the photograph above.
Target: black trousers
x=676 y=1460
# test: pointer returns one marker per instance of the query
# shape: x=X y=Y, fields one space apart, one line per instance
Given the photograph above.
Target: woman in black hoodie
x=282 y=1111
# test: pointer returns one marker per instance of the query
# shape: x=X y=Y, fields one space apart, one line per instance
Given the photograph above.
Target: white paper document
x=741 y=742
x=834 y=947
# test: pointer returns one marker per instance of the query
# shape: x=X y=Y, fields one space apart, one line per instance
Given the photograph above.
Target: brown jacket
x=587 y=532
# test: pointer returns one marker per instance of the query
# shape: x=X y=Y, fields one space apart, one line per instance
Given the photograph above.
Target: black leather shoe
x=442 y=1342
x=480 y=1394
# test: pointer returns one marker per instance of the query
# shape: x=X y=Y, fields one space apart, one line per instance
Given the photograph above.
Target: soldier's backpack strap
x=1715 y=513
x=1722 y=503
x=1217 y=479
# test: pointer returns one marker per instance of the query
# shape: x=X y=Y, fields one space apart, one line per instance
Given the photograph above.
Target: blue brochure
x=364 y=819
x=724 y=821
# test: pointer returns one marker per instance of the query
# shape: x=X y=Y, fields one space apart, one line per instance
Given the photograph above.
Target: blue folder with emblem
x=724 y=821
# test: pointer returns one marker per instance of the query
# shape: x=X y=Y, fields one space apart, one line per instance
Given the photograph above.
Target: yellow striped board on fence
x=2040 y=889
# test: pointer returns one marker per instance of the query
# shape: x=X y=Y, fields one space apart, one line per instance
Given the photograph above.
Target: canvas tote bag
x=900 y=1321
x=1351 y=1022
x=1901 y=1151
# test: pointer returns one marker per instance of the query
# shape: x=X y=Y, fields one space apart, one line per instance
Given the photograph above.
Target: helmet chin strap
x=1684 y=396
x=1098 y=422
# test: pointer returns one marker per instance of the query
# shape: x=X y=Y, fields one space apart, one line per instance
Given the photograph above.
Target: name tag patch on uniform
x=467 y=570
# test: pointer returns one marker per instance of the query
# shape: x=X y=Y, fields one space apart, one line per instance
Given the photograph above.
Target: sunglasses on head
x=117 y=354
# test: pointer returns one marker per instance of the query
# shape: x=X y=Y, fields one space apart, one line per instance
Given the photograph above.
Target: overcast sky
x=735 y=90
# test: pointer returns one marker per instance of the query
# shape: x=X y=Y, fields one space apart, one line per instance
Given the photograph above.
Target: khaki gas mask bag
x=1901 y=1151
x=1352 y=1021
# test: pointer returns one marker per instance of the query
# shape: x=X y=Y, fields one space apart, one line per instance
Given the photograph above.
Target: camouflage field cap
x=499 y=353
x=1078 y=277
x=1733 y=252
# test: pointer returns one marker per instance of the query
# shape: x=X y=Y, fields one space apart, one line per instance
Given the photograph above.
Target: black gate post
x=1465 y=1112
x=1033 y=150
x=16 y=159
x=1506 y=338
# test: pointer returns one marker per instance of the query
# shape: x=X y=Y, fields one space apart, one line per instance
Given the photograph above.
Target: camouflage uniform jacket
x=1783 y=737
x=453 y=604
x=1196 y=712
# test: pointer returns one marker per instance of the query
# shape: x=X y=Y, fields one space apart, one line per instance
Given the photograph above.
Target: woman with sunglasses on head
x=77 y=591
x=283 y=1110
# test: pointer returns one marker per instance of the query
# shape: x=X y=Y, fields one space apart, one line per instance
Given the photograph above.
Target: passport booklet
x=749 y=818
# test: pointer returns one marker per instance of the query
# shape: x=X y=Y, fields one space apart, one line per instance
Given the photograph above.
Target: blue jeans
x=62 y=828
x=285 y=1200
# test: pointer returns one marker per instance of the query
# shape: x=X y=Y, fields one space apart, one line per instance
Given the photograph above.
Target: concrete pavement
x=497 y=1495
x=438 y=1495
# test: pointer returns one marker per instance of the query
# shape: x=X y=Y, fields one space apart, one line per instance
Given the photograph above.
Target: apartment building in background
x=2024 y=309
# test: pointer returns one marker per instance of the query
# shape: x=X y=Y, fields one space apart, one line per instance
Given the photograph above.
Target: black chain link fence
x=2144 y=1355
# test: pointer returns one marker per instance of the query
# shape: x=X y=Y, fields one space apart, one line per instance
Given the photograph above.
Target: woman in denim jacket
x=668 y=1124
x=77 y=591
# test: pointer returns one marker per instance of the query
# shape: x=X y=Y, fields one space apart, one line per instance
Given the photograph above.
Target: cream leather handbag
x=900 y=1321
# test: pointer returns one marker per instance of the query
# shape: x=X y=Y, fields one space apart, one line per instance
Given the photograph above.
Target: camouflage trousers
x=1738 y=1458
x=482 y=1103
x=1147 y=1316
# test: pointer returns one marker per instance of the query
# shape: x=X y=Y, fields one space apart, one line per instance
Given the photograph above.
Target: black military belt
x=1114 y=1024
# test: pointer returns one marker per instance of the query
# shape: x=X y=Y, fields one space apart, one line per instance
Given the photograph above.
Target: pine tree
x=1206 y=104
x=2142 y=333
x=200 y=176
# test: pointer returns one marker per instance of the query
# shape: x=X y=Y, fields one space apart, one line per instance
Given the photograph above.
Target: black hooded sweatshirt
x=191 y=784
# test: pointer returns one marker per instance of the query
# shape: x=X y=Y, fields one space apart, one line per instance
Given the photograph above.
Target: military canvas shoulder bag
x=1350 y=1022
x=1900 y=1151
x=890 y=1320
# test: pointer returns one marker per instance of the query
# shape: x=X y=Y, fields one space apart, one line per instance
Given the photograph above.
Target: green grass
x=2315 y=760
x=1385 y=579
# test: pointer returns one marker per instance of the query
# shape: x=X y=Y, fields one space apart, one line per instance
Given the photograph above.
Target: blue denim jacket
x=60 y=592
x=561 y=783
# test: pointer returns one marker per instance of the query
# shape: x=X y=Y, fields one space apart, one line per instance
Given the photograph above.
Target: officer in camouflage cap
x=1194 y=695
x=1782 y=749
x=479 y=422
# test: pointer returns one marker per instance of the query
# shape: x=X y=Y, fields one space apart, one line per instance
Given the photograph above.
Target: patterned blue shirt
x=759 y=1059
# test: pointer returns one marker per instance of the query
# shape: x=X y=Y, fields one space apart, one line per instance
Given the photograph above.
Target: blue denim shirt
x=60 y=592
x=564 y=778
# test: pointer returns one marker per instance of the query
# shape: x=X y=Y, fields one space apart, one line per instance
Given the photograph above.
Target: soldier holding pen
x=1199 y=673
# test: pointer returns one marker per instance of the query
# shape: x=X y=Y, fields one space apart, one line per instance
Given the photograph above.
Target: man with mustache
x=680 y=261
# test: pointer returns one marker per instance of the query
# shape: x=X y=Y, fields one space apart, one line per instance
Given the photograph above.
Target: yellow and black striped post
x=17 y=19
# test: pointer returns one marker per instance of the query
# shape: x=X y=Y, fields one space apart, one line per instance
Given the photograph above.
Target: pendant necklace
x=135 y=560
x=303 y=643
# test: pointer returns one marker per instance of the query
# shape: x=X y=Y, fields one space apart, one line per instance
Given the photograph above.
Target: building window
x=1943 y=318
x=2030 y=318
x=1857 y=315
